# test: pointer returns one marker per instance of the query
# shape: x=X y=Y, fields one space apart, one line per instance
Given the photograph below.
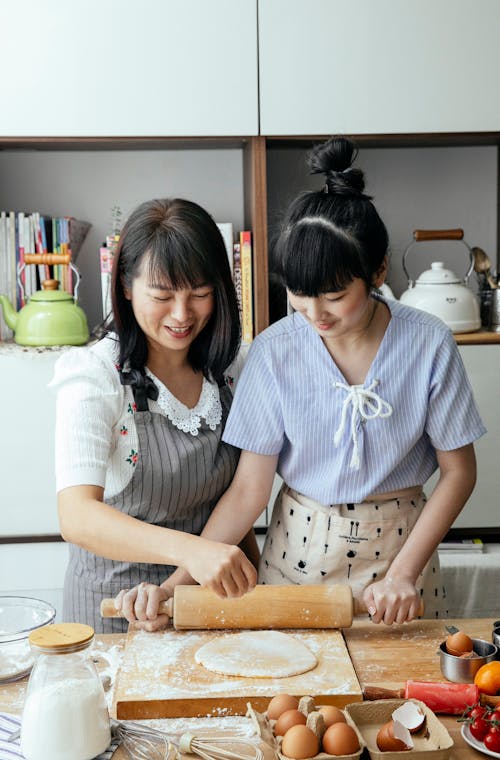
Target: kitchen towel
x=12 y=750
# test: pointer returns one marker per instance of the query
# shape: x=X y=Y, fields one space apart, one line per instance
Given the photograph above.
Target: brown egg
x=340 y=739
x=387 y=742
x=331 y=715
x=300 y=742
x=279 y=704
x=458 y=643
x=288 y=719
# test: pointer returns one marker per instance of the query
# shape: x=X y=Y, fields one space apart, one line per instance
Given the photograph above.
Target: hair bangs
x=318 y=257
x=175 y=263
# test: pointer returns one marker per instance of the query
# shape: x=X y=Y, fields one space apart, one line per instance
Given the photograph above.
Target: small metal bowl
x=463 y=670
x=496 y=637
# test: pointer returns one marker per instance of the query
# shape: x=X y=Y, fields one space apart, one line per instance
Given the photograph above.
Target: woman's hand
x=223 y=568
x=392 y=600
x=139 y=605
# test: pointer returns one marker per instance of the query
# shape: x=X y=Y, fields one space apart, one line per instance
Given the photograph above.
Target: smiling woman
x=140 y=460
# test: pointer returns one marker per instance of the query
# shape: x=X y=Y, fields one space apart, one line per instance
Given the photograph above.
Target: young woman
x=139 y=457
x=355 y=402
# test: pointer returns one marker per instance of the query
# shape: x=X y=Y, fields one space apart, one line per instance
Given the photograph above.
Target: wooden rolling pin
x=195 y=607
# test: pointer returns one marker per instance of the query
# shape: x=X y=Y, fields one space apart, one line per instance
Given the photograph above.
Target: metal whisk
x=142 y=742
x=211 y=748
x=146 y=743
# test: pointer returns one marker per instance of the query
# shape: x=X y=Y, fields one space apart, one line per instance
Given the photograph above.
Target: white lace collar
x=208 y=408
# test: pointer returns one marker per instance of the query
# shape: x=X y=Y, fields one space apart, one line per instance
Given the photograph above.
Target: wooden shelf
x=477 y=338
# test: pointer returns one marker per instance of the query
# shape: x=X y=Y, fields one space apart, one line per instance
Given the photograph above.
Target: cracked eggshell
x=394 y=737
x=433 y=742
x=410 y=715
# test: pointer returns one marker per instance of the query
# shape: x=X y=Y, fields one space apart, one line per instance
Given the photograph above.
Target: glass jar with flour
x=65 y=715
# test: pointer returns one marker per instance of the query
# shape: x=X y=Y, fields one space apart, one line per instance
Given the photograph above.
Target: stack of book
x=240 y=261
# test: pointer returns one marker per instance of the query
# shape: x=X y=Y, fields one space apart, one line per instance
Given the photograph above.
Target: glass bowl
x=19 y=615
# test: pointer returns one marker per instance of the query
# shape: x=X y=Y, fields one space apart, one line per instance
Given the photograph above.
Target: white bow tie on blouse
x=366 y=404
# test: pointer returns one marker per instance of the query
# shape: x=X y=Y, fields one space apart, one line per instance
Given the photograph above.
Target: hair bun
x=334 y=159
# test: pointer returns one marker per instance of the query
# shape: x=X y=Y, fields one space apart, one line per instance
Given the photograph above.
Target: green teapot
x=51 y=317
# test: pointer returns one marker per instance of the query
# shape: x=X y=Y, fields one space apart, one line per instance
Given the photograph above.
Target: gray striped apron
x=177 y=481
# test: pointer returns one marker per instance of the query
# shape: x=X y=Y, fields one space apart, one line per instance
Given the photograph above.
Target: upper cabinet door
x=129 y=67
x=379 y=66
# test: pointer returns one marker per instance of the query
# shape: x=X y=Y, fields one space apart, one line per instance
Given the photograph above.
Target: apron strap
x=143 y=387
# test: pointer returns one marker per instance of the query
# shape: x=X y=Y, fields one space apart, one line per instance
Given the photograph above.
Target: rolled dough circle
x=256 y=654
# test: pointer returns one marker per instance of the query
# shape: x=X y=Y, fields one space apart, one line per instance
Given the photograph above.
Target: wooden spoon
x=482 y=265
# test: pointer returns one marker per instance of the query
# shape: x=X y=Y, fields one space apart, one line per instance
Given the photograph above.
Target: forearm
x=87 y=521
x=453 y=488
x=245 y=499
x=231 y=520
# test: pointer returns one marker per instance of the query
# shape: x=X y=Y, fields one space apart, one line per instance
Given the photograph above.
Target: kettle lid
x=51 y=295
x=438 y=275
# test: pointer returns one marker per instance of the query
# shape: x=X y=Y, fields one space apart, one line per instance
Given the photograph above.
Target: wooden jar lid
x=62 y=637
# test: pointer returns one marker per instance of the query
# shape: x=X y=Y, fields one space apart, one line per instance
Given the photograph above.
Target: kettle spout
x=9 y=313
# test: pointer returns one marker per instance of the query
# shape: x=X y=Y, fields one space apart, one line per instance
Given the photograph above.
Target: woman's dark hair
x=332 y=235
x=182 y=247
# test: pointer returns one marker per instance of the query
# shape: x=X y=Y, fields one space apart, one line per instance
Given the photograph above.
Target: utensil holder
x=495 y=311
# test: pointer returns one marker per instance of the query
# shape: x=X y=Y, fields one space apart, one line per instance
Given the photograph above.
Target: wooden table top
x=381 y=656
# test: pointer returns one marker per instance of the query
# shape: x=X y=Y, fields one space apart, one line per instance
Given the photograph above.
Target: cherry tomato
x=479 y=728
x=478 y=711
x=495 y=715
x=492 y=739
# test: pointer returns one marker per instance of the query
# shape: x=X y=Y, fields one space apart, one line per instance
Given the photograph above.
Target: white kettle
x=440 y=291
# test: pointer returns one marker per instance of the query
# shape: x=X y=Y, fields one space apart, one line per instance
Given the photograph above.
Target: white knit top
x=96 y=439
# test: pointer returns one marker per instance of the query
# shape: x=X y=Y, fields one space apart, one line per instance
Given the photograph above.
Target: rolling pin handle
x=371 y=693
x=108 y=609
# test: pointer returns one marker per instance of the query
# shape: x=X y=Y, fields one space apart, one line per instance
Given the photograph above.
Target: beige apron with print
x=310 y=543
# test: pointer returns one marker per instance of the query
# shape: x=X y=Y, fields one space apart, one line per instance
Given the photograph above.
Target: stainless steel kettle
x=439 y=290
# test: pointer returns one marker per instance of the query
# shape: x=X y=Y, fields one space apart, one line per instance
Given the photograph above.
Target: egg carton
x=314 y=720
x=432 y=741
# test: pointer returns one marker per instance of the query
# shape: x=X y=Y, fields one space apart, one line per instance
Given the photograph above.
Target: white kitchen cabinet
x=482 y=363
x=27 y=480
x=385 y=67
x=129 y=68
x=482 y=510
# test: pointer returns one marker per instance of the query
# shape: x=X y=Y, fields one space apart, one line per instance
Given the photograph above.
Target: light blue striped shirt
x=289 y=401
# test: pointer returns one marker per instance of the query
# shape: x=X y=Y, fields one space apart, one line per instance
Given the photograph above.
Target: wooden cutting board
x=159 y=678
x=389 y=655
